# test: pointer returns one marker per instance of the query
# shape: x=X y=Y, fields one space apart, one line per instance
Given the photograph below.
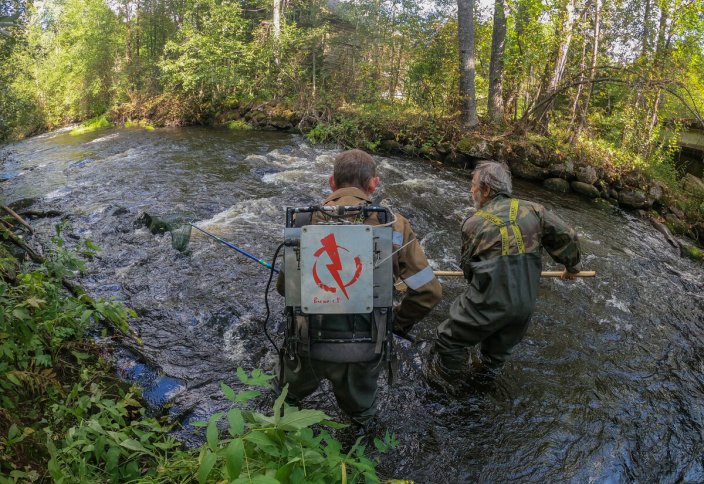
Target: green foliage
x=83 y=430
x=432 y=72
x=103 y=438
x=95 y=124
x=281 y=447
x=41 y=327
x=365 y=126
x=209 y=58
x=693 y=253
x=141 y=123
x=321 y=133
x=70 y=60
x=239 y=125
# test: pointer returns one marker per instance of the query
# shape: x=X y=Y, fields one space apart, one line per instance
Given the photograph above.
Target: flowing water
x=608 y=385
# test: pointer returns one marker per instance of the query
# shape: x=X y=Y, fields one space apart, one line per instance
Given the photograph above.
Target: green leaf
x=13 y=432
x=135 y=445
x=21 y=314
x=206 y=465
x=234 y=457
x=234 y=417
x=246 y=395
x=242 y=375
x=112 y=458
x=229 y=392
x=264 y=480
x=263 y=443
x=13 y=379
x=80 y=356
x=298 y=419
x=334 y=425
x=284 y=472
x=212 y=432
x=279 y=403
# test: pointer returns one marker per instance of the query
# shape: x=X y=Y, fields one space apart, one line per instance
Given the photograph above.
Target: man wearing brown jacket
x=353 y=181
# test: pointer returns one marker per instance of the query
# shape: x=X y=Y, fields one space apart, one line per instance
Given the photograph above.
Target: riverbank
x=591 y=167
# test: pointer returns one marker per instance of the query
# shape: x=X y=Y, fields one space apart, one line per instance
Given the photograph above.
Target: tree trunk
x=582 y=70
x=564 y=34
x=496 y=66
x=465 y=34
x=592 y=71
x=659 y=65
x=277 y=30
x=645 y=40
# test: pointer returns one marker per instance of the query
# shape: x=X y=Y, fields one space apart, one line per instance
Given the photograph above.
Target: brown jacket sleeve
x=411 y=266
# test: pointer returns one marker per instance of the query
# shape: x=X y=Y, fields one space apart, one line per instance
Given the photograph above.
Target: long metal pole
x=241 y=251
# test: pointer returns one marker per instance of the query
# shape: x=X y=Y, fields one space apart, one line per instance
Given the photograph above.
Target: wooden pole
x=542 y=274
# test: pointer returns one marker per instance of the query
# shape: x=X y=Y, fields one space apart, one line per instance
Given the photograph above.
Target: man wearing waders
x=501 y=260
x=353 y=369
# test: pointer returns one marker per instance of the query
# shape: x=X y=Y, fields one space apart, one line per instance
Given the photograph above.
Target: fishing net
x=178 y=225
x=180 y=237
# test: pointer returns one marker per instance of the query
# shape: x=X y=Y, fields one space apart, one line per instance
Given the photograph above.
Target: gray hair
x=494 y=175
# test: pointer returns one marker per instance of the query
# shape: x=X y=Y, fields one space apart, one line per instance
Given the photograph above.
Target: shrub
x=94 y=124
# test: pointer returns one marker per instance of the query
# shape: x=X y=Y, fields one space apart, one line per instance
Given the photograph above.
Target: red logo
x=329 y=246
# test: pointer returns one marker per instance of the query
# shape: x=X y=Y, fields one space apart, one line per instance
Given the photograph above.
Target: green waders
x=353 y=368
x=354 y=384
x=496 y=307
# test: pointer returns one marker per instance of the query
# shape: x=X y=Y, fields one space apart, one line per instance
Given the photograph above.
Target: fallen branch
x=76 y=290
x=17 y=217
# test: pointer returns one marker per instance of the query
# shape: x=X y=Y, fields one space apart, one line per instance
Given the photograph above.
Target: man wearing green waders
x=501 y=260
x=349 y=348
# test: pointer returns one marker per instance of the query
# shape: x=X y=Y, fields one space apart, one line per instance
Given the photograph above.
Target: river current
x=607 y=386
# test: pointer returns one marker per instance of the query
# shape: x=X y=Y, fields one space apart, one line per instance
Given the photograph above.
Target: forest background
x=610 y=83
x=610 y=70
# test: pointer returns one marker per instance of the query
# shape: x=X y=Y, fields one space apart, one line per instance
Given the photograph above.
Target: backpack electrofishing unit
x=339 y=284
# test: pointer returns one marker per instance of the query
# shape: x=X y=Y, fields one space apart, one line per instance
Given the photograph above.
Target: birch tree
x=465 y=34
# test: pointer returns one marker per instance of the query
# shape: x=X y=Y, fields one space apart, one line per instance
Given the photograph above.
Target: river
x=608 y=384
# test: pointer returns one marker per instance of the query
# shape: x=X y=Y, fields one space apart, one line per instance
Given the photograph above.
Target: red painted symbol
x=335 y=266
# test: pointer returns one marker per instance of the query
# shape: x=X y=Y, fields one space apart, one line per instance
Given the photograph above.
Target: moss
x=142 y=123
x=94 y=124
x=692 y=252
x=239 y=125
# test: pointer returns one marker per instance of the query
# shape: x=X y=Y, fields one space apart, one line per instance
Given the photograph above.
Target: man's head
x=354 y=168
x=488 y=179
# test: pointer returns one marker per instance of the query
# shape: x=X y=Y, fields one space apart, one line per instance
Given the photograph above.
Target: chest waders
x=338 y=285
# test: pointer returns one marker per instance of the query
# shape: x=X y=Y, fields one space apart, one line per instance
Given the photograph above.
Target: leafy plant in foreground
x=282 y=447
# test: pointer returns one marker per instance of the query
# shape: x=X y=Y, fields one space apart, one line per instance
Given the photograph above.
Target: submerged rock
x=585 y=189
x=557 y=185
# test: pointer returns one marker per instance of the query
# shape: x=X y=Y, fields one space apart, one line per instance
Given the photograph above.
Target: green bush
x=94 y=124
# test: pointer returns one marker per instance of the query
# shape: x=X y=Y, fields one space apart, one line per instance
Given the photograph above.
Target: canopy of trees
x=614 y=70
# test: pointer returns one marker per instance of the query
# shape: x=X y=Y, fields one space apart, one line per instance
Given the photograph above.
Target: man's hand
x=568 y=276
